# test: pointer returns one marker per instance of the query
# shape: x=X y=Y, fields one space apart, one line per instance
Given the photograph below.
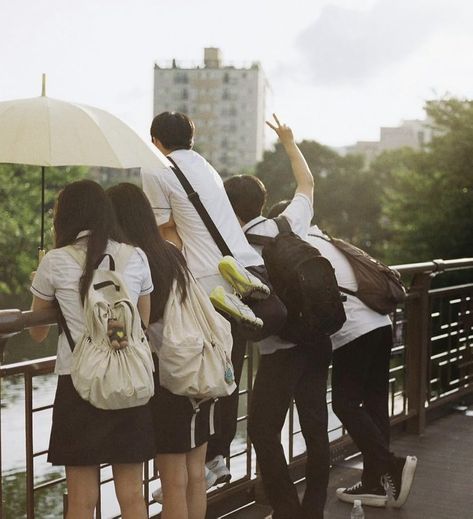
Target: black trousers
x=219 y=444
x=300 y=373
x=360 y=390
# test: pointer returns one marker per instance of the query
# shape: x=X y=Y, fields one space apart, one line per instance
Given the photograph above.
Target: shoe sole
x=240 y=284
x=236 y=315
x=406 y=482
x=225 y=478
x=366 y=499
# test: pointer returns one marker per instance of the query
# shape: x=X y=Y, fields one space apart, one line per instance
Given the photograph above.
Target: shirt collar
x=83 y=234
x=255 y=221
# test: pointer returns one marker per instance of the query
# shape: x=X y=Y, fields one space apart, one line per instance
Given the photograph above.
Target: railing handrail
x=436 y=266
x=14 y=321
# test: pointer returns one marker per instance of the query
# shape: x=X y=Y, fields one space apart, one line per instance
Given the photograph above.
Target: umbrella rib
x=90 y=115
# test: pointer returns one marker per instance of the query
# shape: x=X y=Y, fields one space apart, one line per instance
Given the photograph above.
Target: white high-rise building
x=226 y=103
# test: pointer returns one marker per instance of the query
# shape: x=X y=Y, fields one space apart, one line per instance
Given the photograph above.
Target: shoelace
x=355 y=487
x=389 y=487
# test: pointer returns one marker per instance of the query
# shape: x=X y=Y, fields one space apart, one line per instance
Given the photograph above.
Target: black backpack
x=379 y=286
x=305 y=281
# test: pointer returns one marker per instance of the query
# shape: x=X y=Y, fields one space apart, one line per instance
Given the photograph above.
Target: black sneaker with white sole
x=369 y=496
x=398 y=481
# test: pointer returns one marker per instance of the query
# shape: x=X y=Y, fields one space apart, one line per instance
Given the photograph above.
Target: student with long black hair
x=83 y=436
x=181 y=466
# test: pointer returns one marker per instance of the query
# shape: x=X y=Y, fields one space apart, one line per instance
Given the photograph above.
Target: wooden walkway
x=443 y=486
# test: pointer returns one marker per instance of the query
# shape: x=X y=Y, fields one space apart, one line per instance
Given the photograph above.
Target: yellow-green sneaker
x=233 y=306
x=243 y=281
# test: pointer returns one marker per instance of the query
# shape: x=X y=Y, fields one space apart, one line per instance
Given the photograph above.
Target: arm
x=300 y=170
x=144 y=308
x=39 y=333
x=169 y=232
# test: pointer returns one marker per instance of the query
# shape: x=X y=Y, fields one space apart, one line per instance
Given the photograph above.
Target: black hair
x=84 y=206
x=138 y=224
x=174 y=130
x=278 y=208
x=247 y=195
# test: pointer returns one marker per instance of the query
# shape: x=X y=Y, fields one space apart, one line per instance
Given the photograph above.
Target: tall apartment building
x=226 y=103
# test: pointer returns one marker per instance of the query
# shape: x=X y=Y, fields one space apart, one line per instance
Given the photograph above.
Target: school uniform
x=360 y=371
x=168 y=198
x=82 y=434
x=288 y=370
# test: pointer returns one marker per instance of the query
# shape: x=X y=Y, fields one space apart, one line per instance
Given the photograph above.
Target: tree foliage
x=408 y=206
x=20 y=213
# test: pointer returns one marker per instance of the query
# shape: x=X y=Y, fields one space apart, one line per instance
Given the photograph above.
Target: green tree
x=20 y=213
x=347 y=198
x=428 y=195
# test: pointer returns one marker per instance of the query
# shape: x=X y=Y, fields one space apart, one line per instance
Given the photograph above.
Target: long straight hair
x=84 y=206
x=137 y=222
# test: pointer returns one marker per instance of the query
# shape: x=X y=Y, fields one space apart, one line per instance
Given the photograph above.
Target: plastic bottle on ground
x=357 y=510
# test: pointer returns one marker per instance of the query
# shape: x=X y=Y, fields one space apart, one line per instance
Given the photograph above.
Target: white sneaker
x=218 y=467
x=233 y=306
x=210 y=481
x=243 y=281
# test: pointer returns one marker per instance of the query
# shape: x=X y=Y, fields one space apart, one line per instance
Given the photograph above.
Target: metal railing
x=431 y=366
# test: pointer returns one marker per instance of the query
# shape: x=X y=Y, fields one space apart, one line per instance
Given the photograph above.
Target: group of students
x=171 y=242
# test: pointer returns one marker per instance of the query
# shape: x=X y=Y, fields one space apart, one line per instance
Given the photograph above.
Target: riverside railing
x=432 y=366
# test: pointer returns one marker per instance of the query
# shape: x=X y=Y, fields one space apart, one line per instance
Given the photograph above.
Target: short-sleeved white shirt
x=360 y=318
x=58 y=278
x=299 y=214
x=168 y=197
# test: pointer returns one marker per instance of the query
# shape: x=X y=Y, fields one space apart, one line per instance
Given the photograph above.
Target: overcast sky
x=338 y=69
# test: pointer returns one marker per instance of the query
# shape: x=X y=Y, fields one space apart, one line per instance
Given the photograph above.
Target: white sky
x=338 y=69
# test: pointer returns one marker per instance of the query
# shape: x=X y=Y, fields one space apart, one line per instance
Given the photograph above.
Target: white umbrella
x=47 y=132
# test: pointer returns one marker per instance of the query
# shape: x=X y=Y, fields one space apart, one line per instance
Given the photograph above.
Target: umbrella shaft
x=42 y=208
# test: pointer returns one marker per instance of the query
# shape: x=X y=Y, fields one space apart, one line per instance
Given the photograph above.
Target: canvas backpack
x=106 y=377
x=195 y=353
x=304 y=280
x=379 y=286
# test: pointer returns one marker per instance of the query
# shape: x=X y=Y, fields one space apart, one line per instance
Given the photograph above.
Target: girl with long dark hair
x=181 y=466
x=83 y=436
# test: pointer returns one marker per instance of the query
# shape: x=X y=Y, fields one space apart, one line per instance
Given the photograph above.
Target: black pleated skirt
x=180 y=424
x=81 y=434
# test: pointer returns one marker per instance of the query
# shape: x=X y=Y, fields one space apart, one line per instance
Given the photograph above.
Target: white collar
x=83 y=234
x=253 y=222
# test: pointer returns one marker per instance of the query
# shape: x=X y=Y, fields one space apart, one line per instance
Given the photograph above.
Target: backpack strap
x=63 y=327
x=283 y=224
x=195 y=200
x=328 y=239
x=256 y=239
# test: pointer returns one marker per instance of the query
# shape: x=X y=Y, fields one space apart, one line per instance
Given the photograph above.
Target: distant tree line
x=408 y=205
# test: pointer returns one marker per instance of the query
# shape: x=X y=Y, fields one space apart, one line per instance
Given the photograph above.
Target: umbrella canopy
x=47 y=132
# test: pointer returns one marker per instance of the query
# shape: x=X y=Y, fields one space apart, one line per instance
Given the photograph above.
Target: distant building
x=226 y=103
x=413 y=134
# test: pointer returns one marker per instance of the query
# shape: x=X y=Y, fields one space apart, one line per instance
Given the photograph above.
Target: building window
x=181 y=77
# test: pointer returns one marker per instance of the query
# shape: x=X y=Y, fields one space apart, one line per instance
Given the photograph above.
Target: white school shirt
x=58 y=278
x=299 y=213
x=167 y=197
x=360 y=318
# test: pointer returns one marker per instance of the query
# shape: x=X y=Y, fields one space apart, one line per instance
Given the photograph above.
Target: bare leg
x=82 y=491
x=196 y=488
x=128 y=480
x=173 y=471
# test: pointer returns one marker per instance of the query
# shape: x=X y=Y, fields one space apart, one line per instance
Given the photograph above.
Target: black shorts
x=179 y=425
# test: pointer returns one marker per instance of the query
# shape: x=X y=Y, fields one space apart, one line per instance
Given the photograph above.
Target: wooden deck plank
x=443 y=486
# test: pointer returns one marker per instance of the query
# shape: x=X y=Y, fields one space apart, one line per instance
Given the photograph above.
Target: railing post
x=418 y=337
